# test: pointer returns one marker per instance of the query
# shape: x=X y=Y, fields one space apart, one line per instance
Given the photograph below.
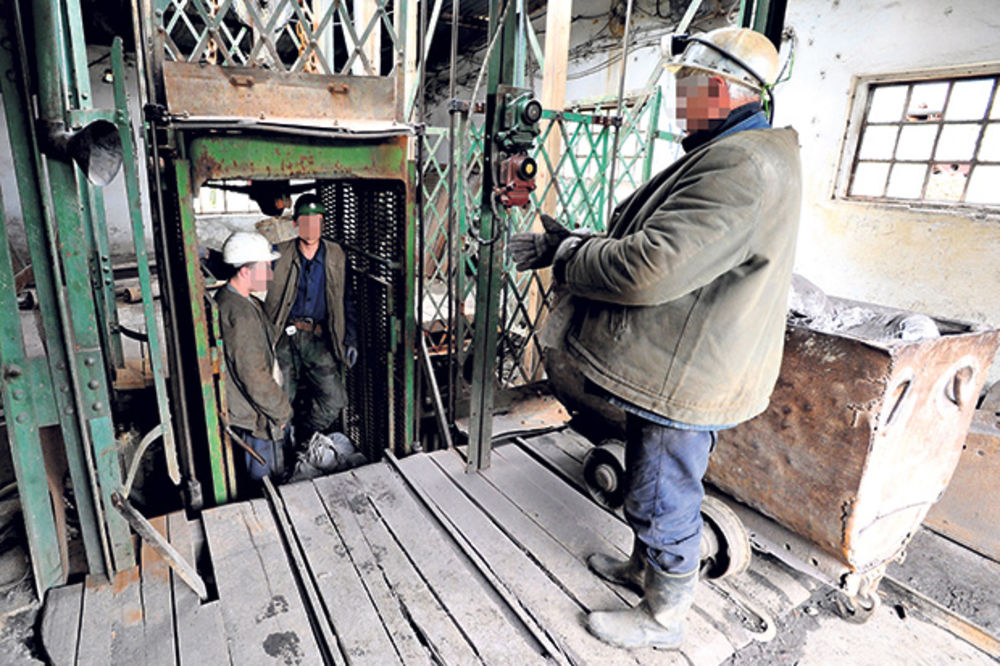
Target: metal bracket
x=149 y=534
x=156 y=114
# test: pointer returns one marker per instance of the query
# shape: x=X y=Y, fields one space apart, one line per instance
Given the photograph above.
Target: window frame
x=859 y=103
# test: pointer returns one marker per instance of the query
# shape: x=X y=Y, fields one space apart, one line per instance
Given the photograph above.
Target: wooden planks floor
x=411 y=565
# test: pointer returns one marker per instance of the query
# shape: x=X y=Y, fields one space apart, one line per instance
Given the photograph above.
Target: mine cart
x=861 y=437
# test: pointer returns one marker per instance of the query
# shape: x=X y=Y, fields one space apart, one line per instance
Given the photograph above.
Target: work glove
x=351 y=356
x=564 y=253
x=533 y=250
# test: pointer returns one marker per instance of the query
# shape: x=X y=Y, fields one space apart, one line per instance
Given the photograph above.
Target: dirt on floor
x=957 y=578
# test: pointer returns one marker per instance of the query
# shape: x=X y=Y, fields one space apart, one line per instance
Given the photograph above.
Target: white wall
x=941 y=263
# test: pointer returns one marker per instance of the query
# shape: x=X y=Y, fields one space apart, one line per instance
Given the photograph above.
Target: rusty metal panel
x=969 y=511
x=248 y=94
x=860 y=438
x=219 y=157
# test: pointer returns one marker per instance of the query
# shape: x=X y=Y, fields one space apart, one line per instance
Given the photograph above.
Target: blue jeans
x=269 y=450
x=664 y=467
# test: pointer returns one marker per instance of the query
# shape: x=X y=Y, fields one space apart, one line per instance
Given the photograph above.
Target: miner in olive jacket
x=258 y=407
x=309 y=302
x=680 y=313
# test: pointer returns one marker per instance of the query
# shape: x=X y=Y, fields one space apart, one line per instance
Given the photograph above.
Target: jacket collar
x=748 y=116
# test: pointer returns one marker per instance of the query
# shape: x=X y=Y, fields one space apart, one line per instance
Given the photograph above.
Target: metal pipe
x=621 y=96
x=436 y=394
x=453 y=342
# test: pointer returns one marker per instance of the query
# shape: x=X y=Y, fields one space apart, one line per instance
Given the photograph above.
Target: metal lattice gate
x=368 y=218
x=573 y=187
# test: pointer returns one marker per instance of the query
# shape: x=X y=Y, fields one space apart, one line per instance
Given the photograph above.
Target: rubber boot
x=621 y=572
x=658 y=620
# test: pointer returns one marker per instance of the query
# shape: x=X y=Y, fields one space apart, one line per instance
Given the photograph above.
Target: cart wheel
x=859 y=609
x=604 y=473
x=726 y=546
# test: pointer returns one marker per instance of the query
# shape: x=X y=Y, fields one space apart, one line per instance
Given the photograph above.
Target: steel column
x=489 y=274
x=142 y=259
x=28 y=170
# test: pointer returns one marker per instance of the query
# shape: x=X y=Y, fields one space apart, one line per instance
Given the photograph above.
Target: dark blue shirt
x=310 y=297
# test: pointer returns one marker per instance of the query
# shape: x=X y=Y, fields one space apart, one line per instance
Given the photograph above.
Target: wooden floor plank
x=561 y=616
x=128 y=645
x=378 y=554
x=532 y=487
x=157 y=603
x=264 y=615
x=587 y=589
x=355 y=619
x=95 y=622
x=563 y=465
x=199 y=631
x=61 y=623
x=527 y=479
x=568 y=441
x=461 y=590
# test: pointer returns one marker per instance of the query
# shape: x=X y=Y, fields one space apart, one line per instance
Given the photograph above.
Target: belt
x=307 y=324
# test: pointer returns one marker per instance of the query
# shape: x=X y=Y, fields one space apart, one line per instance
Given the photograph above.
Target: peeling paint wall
x=939 y=262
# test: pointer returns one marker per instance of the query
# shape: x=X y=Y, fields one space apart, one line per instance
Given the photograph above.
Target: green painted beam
x=77 y=307
x=22 y=431
x=199 y=314
x=134 y=195
x=92 y=212
x=489 y=273
x=29 y=174
x=256 y=157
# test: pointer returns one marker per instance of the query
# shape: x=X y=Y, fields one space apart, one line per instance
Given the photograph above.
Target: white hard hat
x=738 y=54
x=247 y=247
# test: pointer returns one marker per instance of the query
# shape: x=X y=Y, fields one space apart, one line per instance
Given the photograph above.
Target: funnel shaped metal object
x=96 y=148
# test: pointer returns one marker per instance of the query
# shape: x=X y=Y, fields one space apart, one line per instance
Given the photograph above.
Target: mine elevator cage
x=310 y=92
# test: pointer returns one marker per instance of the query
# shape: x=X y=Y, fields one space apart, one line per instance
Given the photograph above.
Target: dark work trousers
x=268 y=450
x=313 y=382
x=664 y=467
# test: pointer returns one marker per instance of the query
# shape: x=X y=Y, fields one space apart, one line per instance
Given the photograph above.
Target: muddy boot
x=658 y=620
x=621 y=572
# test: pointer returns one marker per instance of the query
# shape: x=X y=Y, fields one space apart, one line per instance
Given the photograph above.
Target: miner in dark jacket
x=258 y=407
x=309 y=303
x=680 y=313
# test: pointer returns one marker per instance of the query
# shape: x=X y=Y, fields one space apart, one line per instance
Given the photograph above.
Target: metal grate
x=368 y=218
x=578 y=190
x=315 y=36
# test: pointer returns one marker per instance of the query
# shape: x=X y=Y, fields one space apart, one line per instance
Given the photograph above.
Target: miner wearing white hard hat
x=259 y=409
x=679 y=312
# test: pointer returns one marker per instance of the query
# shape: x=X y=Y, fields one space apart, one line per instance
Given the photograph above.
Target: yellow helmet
x=737 y=54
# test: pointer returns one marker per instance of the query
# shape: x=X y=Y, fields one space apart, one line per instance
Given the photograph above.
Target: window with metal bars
x=934 y=140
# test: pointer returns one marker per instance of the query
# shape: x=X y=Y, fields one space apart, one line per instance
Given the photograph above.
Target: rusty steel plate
x=208 y=92
x=860 y=438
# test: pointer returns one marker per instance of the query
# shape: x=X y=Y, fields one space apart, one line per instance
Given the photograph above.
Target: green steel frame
x=69 y=389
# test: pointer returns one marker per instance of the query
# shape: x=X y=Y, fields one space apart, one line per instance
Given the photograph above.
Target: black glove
x=531 y=250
